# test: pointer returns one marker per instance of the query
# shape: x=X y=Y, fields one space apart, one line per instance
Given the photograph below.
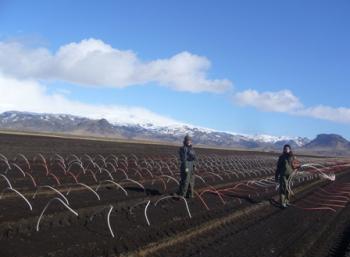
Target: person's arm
x=183 y=154
x=289 y=166
x=278 y=169
x=192 y=154
x=194 y=159
x=183 y=157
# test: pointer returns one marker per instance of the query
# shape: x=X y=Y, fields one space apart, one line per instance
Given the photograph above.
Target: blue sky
x=299 y=48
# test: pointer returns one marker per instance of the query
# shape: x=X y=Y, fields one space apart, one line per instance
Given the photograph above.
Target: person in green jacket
x=187 y=159
x=283 y=171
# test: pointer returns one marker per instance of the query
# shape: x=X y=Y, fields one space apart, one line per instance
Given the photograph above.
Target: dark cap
x=285 y=146
x=187 y=138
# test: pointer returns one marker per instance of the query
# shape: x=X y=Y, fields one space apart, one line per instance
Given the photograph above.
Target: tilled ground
x=268 y=231
x=245 y=224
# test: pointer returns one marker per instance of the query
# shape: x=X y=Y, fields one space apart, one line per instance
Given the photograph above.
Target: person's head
x=287 y=149
x=187 y=140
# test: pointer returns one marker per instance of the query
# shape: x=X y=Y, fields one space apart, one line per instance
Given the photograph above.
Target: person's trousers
x=186 y=188
x=284 y=192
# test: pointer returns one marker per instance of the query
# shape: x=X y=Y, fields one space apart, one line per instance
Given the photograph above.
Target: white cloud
x=280 y=101
x=31 y=96
x=340 y=114
x=93 y=62
x=285 y=101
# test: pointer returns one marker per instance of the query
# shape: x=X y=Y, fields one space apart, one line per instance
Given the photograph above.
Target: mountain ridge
x=71 y=124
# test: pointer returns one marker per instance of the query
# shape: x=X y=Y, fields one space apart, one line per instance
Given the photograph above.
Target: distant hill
x=69 y=124
x=325 y=144
x=329 y=144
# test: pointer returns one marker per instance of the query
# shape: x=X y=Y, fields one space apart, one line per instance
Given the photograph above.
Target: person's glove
x=187 y=170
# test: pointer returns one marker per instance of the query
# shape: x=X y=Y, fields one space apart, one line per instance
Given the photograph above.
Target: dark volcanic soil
x=238 y=216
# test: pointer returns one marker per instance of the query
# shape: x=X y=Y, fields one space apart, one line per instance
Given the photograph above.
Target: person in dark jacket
x=187 y=159
x=283 y=171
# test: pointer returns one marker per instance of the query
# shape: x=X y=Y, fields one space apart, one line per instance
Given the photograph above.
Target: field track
x=74 y=197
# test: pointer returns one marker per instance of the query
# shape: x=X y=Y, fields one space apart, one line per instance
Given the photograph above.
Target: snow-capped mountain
x=65 y=123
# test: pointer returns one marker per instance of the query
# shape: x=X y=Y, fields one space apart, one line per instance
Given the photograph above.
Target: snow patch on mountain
x=167 y=131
